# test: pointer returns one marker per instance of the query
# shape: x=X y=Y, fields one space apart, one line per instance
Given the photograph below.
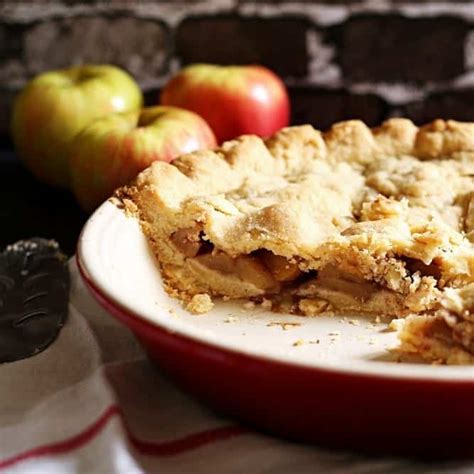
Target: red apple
x=234 y=100
x=56 y=105
x=111 y=151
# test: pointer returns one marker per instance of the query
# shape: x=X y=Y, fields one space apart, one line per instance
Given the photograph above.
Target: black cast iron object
x=34 y=291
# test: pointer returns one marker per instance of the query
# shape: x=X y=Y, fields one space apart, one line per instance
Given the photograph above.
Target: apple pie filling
x=262 y=269
x=345 y=287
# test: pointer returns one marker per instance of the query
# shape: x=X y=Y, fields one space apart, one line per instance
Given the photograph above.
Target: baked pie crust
x=374 y=221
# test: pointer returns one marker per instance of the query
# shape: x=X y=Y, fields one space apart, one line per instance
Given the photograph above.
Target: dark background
x=340 y=59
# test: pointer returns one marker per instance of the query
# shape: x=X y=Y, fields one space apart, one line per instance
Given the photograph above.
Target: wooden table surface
x=31 y=209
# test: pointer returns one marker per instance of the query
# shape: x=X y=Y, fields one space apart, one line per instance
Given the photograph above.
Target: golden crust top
x=313 y=195
x=289 y=150
x=300 y=186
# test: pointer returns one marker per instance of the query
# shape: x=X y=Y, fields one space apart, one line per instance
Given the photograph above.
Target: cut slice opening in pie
x=353 y=220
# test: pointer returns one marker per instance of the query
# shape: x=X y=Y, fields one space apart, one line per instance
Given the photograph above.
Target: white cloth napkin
x=92 y=403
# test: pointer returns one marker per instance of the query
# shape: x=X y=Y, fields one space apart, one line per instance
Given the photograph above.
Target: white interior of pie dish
x=115 y=255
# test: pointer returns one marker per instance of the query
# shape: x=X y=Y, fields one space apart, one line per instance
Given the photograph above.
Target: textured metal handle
x=34 y=292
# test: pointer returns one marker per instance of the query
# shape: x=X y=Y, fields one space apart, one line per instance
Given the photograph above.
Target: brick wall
x=341 y=59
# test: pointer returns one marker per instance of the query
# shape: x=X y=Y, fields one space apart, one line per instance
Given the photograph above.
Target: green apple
x=111 y=151
x=56 y=105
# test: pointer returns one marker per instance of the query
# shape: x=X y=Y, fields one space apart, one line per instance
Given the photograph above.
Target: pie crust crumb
x=200 y=304
x=266 y=304
x=313 y=306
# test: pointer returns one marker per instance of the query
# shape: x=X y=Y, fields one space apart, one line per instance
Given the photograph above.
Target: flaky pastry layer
x=361 y=220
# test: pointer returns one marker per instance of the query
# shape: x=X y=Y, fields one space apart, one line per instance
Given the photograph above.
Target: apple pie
x=355 y=220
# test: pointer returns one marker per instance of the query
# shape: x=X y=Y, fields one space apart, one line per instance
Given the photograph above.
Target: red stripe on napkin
x=67 y=445
x=163 y=448
x=188 y=443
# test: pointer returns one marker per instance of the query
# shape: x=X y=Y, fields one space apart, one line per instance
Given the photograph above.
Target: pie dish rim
x=90 y=267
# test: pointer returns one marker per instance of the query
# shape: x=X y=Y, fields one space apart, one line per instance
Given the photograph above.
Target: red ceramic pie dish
x=246 y=367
